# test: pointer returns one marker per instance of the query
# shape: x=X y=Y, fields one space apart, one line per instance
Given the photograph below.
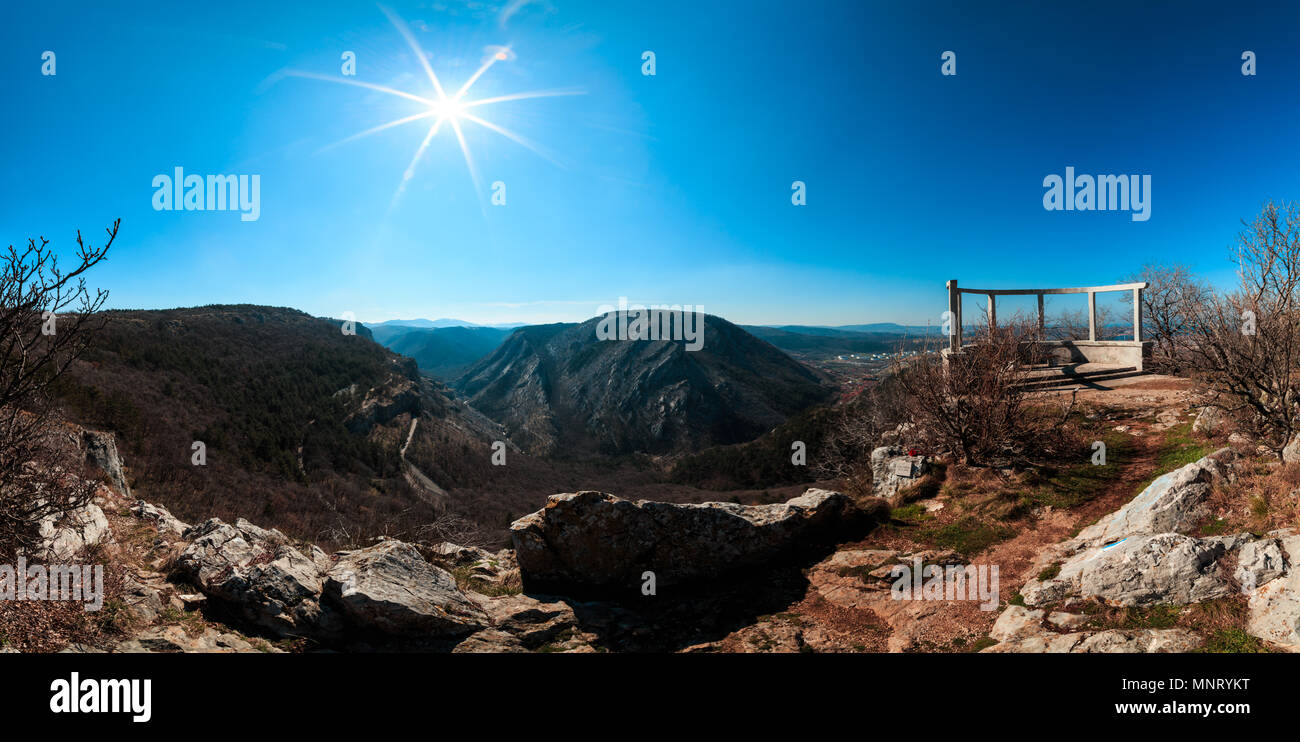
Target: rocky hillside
x=557 y=389
x=1152 y=554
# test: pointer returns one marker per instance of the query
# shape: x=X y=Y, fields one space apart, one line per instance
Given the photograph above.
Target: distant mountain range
x=442 y=352
x=886 y=328
x=825 y=341
x=443 y=322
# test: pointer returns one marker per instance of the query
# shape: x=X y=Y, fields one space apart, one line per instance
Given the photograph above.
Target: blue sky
x=673 y=188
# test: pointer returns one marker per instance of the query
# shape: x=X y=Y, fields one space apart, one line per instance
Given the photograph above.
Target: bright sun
x=452 y=109
x=447 y=109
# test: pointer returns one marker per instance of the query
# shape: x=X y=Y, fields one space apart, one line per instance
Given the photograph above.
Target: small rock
x=1017 y=622
x=1291 y=453
x=1209 y=421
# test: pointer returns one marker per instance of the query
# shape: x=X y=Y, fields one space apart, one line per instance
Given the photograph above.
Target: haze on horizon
x=667 y=189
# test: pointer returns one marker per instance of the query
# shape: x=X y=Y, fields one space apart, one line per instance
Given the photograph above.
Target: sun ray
x=491 y=60
x=410 y=168
x=464 y=148
x=521 y=96
x=401 y=27
x=377 y=129
x=360 y=84
x=533 y=146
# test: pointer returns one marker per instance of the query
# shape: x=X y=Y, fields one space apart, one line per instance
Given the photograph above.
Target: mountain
x=424 y=323
x=388 y=333
x=559 y=390
x=306 y=427
x=444 y=352
x=442 y=322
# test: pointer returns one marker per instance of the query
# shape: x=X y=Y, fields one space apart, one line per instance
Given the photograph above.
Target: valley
x=335 y=438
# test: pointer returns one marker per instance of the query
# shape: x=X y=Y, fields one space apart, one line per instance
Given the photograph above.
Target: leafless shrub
x=859 y=427
x=1073 y=325
x=1245 y=345
x=47 y=319
x=976 y=405
x=1169 y=306
x=456 y=529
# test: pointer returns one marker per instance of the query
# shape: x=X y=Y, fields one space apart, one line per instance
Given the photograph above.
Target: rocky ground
x=1163 y=549
x=1177 y=584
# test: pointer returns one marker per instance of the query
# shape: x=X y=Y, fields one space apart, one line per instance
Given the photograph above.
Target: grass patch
x=1259 y=507
x=1071 y=486
x=1177 y=448
x=1214 y=527
x=910 y=514
x=1158 y=616
x=1232 y=641
x=1050 y=572
x=1180 y=448
x=966 y=536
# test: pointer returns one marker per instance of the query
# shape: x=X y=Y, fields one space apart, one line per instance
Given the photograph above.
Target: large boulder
x=161 y=518
x=1135 y=557
x=101 y=450
x=1275 y=604
x=64 y=535
x=596 y=542
x=1141 y=569
x=389 y=588
x=1164 y=568
x=1258 y=562
x=1128 y=555
x=1173 y=502
x=260 y=575
x=175 y=639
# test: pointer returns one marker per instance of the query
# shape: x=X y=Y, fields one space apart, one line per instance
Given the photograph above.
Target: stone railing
x=1120 y=352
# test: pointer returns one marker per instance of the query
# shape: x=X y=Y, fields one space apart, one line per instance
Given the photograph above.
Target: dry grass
x=1265 y=497
x=49 y=626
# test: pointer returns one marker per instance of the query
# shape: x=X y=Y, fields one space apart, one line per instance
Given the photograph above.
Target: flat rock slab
x=1111 y=641
x=1173 y=502
x=593 y=541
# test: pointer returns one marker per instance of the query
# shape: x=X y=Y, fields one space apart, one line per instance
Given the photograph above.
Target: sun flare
x=449 y=109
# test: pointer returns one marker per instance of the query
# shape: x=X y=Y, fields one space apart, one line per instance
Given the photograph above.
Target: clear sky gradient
x=667 y=189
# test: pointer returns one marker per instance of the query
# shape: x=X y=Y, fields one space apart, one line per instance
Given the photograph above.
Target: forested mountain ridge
x=236 y=409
